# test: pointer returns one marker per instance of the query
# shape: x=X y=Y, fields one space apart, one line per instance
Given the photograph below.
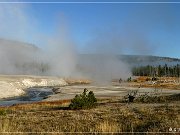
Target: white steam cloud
x=59 y=57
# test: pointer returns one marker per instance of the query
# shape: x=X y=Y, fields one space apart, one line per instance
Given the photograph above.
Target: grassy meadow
x=109 y=115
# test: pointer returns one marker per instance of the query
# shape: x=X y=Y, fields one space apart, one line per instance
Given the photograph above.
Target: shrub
x=3 y=113
x=83 y=101
x=148 y=79
x=135 y=80
x=129 y=79
x=154 y=79
x=130 y=96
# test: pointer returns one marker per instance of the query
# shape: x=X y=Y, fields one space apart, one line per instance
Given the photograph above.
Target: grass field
x=108 y=116
x=149 y=113
x=162 y=82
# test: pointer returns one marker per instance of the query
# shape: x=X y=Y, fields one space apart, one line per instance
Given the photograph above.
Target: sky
x=114 y=28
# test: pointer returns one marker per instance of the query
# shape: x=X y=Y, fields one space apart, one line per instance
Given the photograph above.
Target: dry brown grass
x=72 y=81
x=106 y=117
x=43 y=105
x=162 y=82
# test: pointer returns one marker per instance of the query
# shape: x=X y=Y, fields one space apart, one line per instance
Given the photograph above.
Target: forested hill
x=152 y=65
x=134 y=60
x=143 y=60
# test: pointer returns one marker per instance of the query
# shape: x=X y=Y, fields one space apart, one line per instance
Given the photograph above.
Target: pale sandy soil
x=15 y=85
x=105 y=91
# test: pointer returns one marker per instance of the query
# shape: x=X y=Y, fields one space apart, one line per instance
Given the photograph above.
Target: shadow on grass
x=174 y=97
x=61 y=108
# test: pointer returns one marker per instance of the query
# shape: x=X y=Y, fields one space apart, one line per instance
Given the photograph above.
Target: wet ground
x=32 y=95
x=69 y=92
x=106 y=91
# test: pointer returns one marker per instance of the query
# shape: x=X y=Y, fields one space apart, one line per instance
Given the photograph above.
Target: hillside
x=18 y=57
x=23 y=58
x=13 y=44
x=148 y=60
x=133 y=60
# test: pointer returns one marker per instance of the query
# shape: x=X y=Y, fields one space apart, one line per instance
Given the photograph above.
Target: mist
x=60 y=56
x=62 y=53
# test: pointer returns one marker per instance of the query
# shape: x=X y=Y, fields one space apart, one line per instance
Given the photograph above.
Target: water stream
x=32 y=95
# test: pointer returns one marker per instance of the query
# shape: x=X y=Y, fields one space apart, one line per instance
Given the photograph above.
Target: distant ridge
x=17 y=44
x=147 y=59
x=23 y=58
x=19 y=57
x=136 y=60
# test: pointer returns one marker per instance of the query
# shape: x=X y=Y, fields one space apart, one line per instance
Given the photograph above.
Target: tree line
x=160 y=71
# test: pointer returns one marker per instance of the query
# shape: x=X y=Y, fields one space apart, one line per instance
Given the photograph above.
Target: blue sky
x=121 y=28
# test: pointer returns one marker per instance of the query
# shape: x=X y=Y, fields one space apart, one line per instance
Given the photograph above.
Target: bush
x=148 y=79
x=3 y=113
x=154 y=79
x=129 y=79
x=83 y=101
x=135 y=80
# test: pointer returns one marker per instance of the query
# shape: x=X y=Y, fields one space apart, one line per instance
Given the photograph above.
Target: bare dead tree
x=131 y=96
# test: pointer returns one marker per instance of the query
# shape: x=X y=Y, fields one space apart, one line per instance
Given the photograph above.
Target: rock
x=56 y=90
